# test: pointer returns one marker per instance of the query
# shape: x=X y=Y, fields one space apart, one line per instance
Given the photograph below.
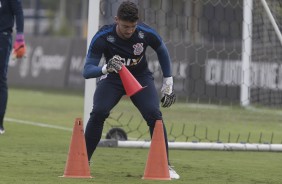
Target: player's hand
x=114 y=64
x=169 y=96
x=168 y=100
x=19 y=48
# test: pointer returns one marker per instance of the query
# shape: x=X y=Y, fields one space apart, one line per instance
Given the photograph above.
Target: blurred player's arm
x=19 y=44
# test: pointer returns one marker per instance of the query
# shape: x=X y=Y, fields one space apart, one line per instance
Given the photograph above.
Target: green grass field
x=32 y=154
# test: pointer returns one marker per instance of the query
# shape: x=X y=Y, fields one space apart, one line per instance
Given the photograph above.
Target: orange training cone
x=130 y=84
x=77 y=163
x=157 y=163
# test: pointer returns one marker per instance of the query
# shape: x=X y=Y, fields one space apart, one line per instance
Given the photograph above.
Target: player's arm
x=19 y=44
x=168 y=96
x=164 y=59
x=91 y=68
x=94 y=55
x=19 y=17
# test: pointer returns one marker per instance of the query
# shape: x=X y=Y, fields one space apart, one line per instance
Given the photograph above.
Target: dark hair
x=128 y=11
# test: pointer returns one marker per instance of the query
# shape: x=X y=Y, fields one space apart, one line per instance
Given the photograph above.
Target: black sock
x=93 y=135
x=1 y=120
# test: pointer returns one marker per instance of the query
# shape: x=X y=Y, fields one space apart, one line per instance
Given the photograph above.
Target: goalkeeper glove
x=169 y=96
x=113 y=65
x=19 y=46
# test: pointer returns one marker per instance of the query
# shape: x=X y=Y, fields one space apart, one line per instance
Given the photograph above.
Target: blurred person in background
x=125 y=43
x=11 y=12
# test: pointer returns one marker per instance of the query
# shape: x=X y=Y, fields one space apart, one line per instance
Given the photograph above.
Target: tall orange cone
x=157 y=163
x=77 y=163
x=130 y=84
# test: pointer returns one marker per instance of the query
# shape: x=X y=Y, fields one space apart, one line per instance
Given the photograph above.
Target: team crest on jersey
x=111 y=39
x=138 y=48
x=141 y=34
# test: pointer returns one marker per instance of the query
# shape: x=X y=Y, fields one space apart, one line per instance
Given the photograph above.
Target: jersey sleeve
x=160 y=48
x=18 y=12
x=154 y=40
x=94 y=55
x=164 y=59
x=96 y=47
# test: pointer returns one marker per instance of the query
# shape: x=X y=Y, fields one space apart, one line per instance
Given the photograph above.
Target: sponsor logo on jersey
x=141 y=34
x=111 y=39
x=131 y=62
x=138 y=48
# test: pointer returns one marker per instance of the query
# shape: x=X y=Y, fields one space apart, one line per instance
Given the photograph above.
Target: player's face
x=125 y=29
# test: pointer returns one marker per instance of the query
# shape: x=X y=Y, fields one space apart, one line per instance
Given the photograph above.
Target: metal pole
x=246 y=52
x=90 y=84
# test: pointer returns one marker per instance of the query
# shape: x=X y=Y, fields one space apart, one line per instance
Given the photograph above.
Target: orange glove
x=19 y=46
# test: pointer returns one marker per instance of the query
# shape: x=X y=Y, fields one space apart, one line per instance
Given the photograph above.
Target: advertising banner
x=45 y=64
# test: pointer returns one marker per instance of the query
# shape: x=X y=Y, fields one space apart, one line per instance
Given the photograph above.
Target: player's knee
x=98 y=116
x=152 y=117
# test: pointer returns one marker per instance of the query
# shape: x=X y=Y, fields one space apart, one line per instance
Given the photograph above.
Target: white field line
x=44 y=125
x=12 y=120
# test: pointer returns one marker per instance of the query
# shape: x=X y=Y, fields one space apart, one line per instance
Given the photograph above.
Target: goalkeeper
x=10 y=12
x=125 y=43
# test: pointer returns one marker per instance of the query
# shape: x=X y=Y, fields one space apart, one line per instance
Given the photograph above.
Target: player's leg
x=107 y=95
x=147 y=102
x=5 y=50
